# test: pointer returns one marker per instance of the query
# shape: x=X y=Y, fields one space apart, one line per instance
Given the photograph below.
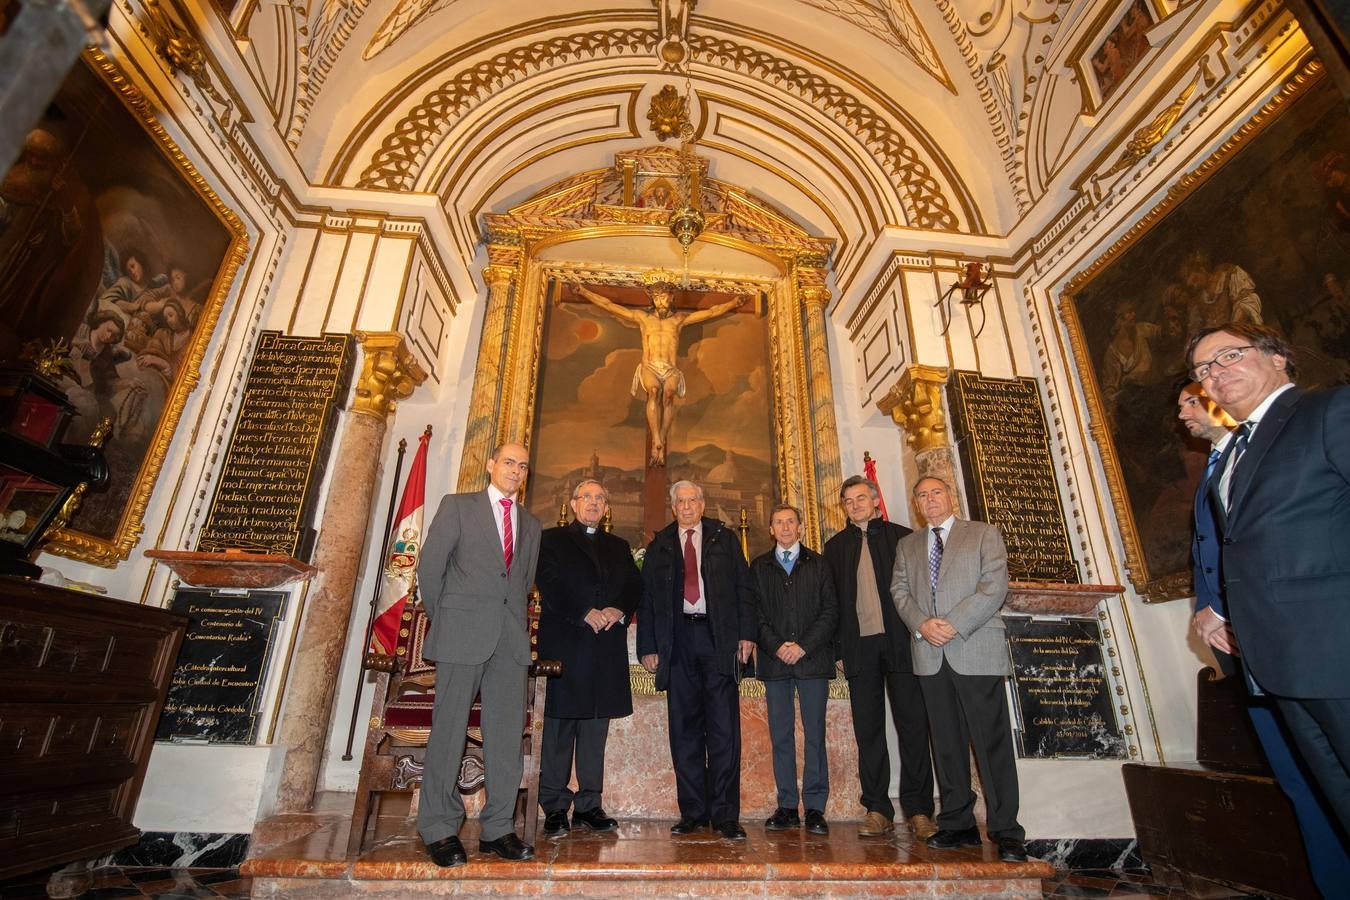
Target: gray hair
x=576 y=491
x=684 y=484
x=853 y=481
x=939 y=479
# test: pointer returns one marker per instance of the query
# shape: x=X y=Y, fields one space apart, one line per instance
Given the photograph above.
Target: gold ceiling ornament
x=656 y=277
x=183 y=53
x=672 y=43
x=668 y=113
x=1152 y=134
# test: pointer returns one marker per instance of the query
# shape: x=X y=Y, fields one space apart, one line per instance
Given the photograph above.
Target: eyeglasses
x=1223 y=361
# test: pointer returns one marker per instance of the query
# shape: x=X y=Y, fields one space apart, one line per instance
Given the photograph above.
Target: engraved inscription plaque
x=222 y=665
x=1059 y=682
x=1000 y=433
x=280 y=446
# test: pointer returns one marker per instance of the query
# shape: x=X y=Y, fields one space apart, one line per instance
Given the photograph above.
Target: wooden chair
x=400 y=725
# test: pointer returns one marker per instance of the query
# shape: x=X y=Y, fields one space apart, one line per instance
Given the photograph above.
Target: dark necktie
x=1244 y=434
x=690 y=569
x=935 y=559
x=508 y=540
x=1209 y=466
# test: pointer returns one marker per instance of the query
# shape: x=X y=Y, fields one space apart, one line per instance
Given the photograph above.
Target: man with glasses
x=588 y=589
x=1281 y=497
x=1327 y=859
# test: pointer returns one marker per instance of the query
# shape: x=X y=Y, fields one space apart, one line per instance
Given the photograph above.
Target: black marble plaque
x=265 y=498
x=217 y=682
x=1000 y=434
x=1063 y=701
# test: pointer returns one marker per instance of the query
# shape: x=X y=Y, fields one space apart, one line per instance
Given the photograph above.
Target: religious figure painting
x=643 y=387
x=1260 y=233
x=1122 y=48
x=111 y=242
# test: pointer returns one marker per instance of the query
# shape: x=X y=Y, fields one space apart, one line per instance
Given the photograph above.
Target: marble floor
x=172 y=884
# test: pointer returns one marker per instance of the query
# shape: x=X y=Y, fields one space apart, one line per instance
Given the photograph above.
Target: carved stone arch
x=930 y=192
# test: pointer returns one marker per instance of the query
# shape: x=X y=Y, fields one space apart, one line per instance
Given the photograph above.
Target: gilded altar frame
x=600 y=204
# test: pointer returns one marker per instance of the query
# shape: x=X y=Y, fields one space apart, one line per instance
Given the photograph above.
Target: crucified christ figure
x=657 y=378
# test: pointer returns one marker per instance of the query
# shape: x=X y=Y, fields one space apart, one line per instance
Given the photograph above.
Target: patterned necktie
x=690 y=568
x=935 y=559
x=508 y=540
x=787 y=561
x=1213 y=460
x=1244 y=434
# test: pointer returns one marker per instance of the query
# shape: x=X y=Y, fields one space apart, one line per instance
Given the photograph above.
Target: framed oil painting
x=592 y=417
x=1260 y=232
x=111 y=241
x=1114 y=46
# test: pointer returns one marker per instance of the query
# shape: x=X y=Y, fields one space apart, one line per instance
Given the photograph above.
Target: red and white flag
x=870 y=472
x=405 y=542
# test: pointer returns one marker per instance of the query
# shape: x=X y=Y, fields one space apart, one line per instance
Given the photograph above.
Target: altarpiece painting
x=1260 y=233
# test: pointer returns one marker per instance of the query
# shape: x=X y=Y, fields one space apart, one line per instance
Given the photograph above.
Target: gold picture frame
x=139 y=208
x=1097 y=76
x=1158 y=277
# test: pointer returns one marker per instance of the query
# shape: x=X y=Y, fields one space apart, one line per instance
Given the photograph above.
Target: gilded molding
x=183 y=53
x=1152 y=134
x=389 y=373
x=668 y=113
x=915 y=404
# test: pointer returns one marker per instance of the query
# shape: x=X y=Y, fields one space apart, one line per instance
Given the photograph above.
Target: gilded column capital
x=497 y=275
x=811 y=287
x=915 y=404
x=389 y=373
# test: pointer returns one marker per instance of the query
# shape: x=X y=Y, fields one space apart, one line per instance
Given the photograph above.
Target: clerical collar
x=590 y=529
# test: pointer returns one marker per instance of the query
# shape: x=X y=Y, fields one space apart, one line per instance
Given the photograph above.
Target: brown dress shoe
x=922 y=826
x=875 y=824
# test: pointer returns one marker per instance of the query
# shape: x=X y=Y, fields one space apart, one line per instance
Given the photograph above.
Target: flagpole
x=375 y=598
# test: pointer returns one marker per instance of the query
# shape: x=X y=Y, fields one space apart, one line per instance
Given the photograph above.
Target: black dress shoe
x=948 y=839
x=687 y=826
x=508 y=846
x=594 y=819
x=782 y=819
x=555 y=823
x=732 y=831
x=447 y=852
x=1012 y=849
x=815 y=822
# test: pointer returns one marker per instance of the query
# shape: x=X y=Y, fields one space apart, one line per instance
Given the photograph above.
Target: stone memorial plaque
x=1063 y=701
x=222 y=665
x=1000 y=433
x=265 y=498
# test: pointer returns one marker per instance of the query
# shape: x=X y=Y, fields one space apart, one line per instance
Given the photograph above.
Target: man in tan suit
x=950 y=580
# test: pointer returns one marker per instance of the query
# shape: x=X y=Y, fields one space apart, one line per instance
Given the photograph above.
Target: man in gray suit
x=950 y=581
x=475 y=570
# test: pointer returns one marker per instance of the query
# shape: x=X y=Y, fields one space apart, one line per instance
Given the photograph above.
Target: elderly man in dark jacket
x=696 y=626
x=589 y=588
x=874 y=649
x=797 y=619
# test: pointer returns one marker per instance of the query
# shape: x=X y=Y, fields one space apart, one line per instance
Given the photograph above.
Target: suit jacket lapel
x=586 y=543
x=1267 y=430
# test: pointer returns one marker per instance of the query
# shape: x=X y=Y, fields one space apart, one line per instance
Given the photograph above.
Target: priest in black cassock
x=589 y=588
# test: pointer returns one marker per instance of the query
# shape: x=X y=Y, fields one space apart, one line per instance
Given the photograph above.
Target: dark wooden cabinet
x=82 y=683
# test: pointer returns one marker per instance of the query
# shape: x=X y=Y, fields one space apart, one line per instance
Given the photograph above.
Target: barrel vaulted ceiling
x=850 y=115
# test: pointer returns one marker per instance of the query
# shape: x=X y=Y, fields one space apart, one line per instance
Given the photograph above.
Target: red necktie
x=690 y=568
x=508 y=542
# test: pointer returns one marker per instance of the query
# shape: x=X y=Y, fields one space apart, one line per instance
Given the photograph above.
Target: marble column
x=814 y=296
x=480 y=433
x=915 y=404
x=389 y=374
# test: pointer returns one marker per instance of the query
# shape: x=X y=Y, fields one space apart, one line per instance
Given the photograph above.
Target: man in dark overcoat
x=589 y=588
x=874 y=651
x=696 y=626
x=797 y=619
